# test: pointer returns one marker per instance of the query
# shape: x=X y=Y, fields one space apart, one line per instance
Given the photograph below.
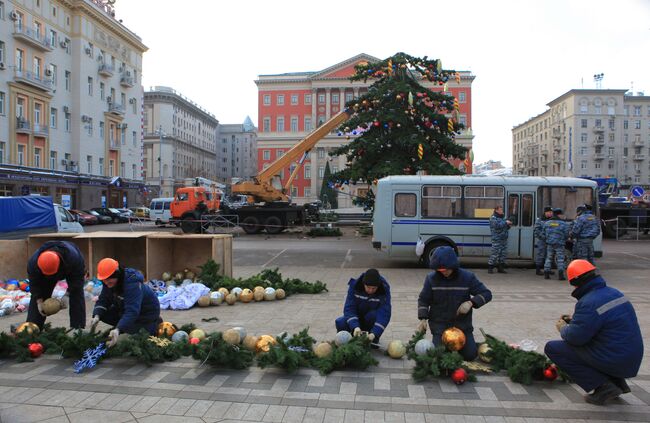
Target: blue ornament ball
x=180 y=336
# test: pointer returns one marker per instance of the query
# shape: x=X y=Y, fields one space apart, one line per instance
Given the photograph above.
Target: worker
x=499 y=227
x=556 y=232
x=56 y=261
x=447 y=298
x=540 y=240
x=367 y=306
x=601 y=343
x=125 y=301
x=585 y=228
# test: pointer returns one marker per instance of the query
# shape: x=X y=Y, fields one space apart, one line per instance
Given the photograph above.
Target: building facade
x=70 y=103
x=237 y=147
x=180 y=141
x=587 y=133
x=291 y=105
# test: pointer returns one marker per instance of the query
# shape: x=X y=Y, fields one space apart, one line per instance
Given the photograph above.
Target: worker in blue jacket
x=447 y=298
x=125 y=302
x=585 y=228
x=601 y=344
x=367 y=306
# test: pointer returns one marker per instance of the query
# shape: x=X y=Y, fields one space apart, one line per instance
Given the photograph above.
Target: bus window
x=513 y=209
x=566 y=198
x=405 y=205
x=527 y=210
x=480 y=201
x=440 y=201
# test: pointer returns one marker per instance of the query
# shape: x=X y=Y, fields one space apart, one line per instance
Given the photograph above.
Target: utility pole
x=162 y=134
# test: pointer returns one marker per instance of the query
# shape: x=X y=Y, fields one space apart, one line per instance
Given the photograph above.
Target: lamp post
x=162 y=136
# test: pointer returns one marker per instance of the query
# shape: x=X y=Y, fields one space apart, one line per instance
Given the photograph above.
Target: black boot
x=560 y=275
x=605 y=392
x=539 y=271
x=490 y=268
x=500 y=268
x=622 y=384
x=547 y=275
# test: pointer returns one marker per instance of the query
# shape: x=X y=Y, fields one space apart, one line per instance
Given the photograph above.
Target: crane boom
x=261 y=188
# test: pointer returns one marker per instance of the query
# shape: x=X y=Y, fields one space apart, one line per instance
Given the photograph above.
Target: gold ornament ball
x=204 y=301
x=28 y=327
x=483 y=351
x=166 y=329
x=258 y=288
x=197 y=333
x=231 y=299
x=250 y=343
x=258 y=294
x=280 y=294
x=224 y=292
x=322 y=350
x=398 y=97
x=232 y=337
x=454 y=339
x=264 y=343
x=246 y=296
x=51 y=306
x=396 y=349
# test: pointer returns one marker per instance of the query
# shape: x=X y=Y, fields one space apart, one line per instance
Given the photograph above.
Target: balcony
x=557 y=158
x=31 y=37
x=126 y=81
x=599 y=129
x=544 y=151
x=557 y=133
x=105 y=69
x=638 y=157
x=23 y=126
x=557 y=147
x=40 y=130
x=599 y=141
x=116 y=109
x=114 y=144
x=599 y=156
x=28 y=77
x=638 y=143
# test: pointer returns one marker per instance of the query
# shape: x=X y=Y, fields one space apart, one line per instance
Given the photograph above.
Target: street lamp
x=162 y=136
x=598 y=78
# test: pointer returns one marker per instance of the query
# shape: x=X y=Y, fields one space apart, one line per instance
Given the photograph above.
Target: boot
x=560 y=275
x=547 y=275
x=490 y=268
x=605 y=392
x=539 y=271
x=500 y=268
x=622 y=384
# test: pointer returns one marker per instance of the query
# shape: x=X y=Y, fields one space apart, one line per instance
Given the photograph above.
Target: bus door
x=405 y=223
x=521 y=212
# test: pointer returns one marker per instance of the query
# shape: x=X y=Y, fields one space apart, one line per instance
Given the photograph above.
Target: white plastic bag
x=419 y=247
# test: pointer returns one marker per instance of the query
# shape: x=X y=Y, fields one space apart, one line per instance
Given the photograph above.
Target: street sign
x=637 y=191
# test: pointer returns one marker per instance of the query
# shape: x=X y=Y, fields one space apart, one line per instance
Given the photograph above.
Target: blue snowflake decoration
x=90 y=358
x=298 y=349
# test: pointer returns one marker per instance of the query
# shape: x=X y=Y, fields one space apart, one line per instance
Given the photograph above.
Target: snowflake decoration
x=160 y=342
x=90 y=358
x=299 y=349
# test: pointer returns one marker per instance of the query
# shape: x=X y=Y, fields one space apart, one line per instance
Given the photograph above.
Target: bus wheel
x=273 y=225
x=250 y=225
x=428 y=251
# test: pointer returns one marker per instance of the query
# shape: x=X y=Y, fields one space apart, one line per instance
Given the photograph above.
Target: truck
x=268 y=207
x=23 y=216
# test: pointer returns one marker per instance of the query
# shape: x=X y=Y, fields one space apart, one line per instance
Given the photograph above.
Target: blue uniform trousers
x=498 y=253
x=540 y=252
x=585 y=375
x=366 y=323
x=557 y=252
x=469 y=351
x=584 y=249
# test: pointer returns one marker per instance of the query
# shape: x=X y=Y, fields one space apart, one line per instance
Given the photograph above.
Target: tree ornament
x=269 y=294
x=194 y=341
x=422 y=346
x=166 y=329
x=232 y=337
x=250 y=342
x=198 y=333
x=342 y=337
x=454 y=339
x=35 y=349
x=258 y=294
x=204 y=301
x=550 y=373
x=180 y=336
x=51 y=306
x=459 y=376
x=28 y=327
x=264 y=343
x=237 y=291
x=166 y=276
x=483 y=353
x=420 y=151
x=246 y=296
x=231 y=299
x=280 y=294
x=241 y=330
x=398 y=97
x=160 y=342
x=450 y=125
x=216 y=298
x=224 y=292
x=323 y=350
x=410 y=98
x=396 y=349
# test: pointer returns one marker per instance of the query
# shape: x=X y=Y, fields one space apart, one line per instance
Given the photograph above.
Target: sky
x=523 y=53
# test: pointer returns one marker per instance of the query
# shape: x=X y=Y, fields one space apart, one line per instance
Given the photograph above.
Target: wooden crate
x=13 y=259
x=128 y=248
x=34 y=242
x=173 y=253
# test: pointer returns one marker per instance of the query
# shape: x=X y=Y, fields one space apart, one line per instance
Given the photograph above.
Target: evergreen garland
x=147 y=349
x=355 y=354
x=436 y=362
x=521 y=366
x=289 y=353
x=217 y=352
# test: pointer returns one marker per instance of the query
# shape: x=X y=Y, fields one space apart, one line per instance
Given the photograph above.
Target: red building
x=291 y=105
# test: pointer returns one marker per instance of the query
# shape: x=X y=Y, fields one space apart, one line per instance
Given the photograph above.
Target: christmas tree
x=404 y=127
x=327 y=193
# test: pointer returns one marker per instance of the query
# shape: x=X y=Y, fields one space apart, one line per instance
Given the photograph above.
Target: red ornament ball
x=459 y=376
x=550 y=373
x=35 y=349
x=194 y=341
x=376 y=123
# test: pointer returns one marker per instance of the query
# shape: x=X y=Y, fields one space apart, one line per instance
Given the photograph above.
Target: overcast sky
x=524 y=53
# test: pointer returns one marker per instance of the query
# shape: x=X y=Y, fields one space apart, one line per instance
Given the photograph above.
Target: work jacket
x=358 y=304
x=72 y=269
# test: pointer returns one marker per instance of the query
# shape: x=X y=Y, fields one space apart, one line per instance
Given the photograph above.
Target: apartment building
x=70 y=103
x=291 y=105
x=587 y=133
x=180 y=141
x=237 y=147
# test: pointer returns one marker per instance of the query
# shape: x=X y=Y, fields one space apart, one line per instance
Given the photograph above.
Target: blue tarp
x=30 y=212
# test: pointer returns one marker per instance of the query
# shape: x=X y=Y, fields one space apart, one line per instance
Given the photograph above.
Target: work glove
x=39 y=305
x=371 y=336
x=112 y=337
x=464 y=308
x=356 y=332
x=422 y=326
x=560 y=324
x=94 y=322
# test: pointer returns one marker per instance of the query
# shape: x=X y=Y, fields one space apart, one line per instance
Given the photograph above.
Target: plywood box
x=13 y=259
x=128 y=248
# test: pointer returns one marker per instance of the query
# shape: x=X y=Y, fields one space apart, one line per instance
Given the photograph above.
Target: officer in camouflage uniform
x=540 y=240
x=499 y=229
x=585 y=228
x=556 y=232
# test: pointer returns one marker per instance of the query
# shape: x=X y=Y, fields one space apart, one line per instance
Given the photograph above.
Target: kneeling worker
x=367 y=306
x=125 y=302
x=601 y=344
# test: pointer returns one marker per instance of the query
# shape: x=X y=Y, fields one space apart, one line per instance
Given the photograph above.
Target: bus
x=456 y=210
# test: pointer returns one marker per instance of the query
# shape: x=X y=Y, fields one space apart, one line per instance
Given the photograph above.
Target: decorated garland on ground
x=431 y=361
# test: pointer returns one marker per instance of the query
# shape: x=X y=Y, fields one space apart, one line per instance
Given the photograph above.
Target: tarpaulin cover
x=29 y=212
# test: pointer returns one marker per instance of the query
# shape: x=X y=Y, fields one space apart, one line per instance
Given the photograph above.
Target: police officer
x=53 y=262
x=499 y=226
x=556 y=232
x=367 y=306
x=125 y=302
x=447 y=298
x=585 y=228
x=540 y=240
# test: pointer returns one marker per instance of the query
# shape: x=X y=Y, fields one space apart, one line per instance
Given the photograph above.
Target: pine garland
x=521 y=366
x=217 y=352
x=289 y=354
x=436 y=362
x=355 y=354
x=146 y=350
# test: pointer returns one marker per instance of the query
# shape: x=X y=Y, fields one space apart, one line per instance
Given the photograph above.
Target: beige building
x=180 y=141
x=596 y=133
x=237 y=149
x=70 y=103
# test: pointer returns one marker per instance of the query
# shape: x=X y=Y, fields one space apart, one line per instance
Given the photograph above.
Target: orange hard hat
x=48 y=262
x=106 y=267
x=578 y=268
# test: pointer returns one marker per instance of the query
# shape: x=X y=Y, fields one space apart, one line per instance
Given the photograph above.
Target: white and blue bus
x=455 y=211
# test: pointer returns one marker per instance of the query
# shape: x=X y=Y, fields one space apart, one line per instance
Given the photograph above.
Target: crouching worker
x=367 y=306
x=125 y=302
x=601 y=344
x=447 y=298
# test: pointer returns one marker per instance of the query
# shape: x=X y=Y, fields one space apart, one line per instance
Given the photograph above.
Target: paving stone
x=217 y=410
x=199 y=408
x=314 y=415
x=334 y=415
x=275 y=413
x=255 y=412
x=144 y=404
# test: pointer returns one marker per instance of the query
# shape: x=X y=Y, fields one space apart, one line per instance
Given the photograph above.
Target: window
x=66 y=122
x=37 y=157
x=2 y=103
x=321 y=171
x=37 y=113
x=307 y=99
x=461 y=97
x=321 y=98
x=267 y=100
x=280 y=100
x=20 y=107
x=307 y=192
x=111 y=168
x=67 y=80
x=321 y=153
x=101 y=130
x=2 y=10
x=335 y=98
x=280 y=124
x=637 y=110
x=583 y=164
x=583 y=151
x=20 y=59
x=612 y=124
x=441 y=201
x=36 y=66
x=89 y=127
x=566 y=198
x=583 y=137
x=294 y=124
x=21 y=154
x=405 y=205
x=598 y=123
x=583 y=123
x=349 y=97
x=279 y=153
x=480 y=201
x=102 y=91
x=133 y=171
x=2 y=51
x=90 y=85
x=266 y=125
x=307 y=123
x=266 y=155
x=625 y=124
x=89 y=164
x=612 y=137
x=134 y=138
x=123 y=139
x=54 y=11
x=53 y=114
x=53 y=160
x=463 y=120
x=597 y=165
x=67 y=45
x=2 y=152
x=134 y=106
x=583 y=107
x=53 y=38
x=598 y=110
x=610 y=151
x=52 y=73
x=637 y=124
x=294 y=99
x=307 y=172
x=101 y=166
x=122 y=168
